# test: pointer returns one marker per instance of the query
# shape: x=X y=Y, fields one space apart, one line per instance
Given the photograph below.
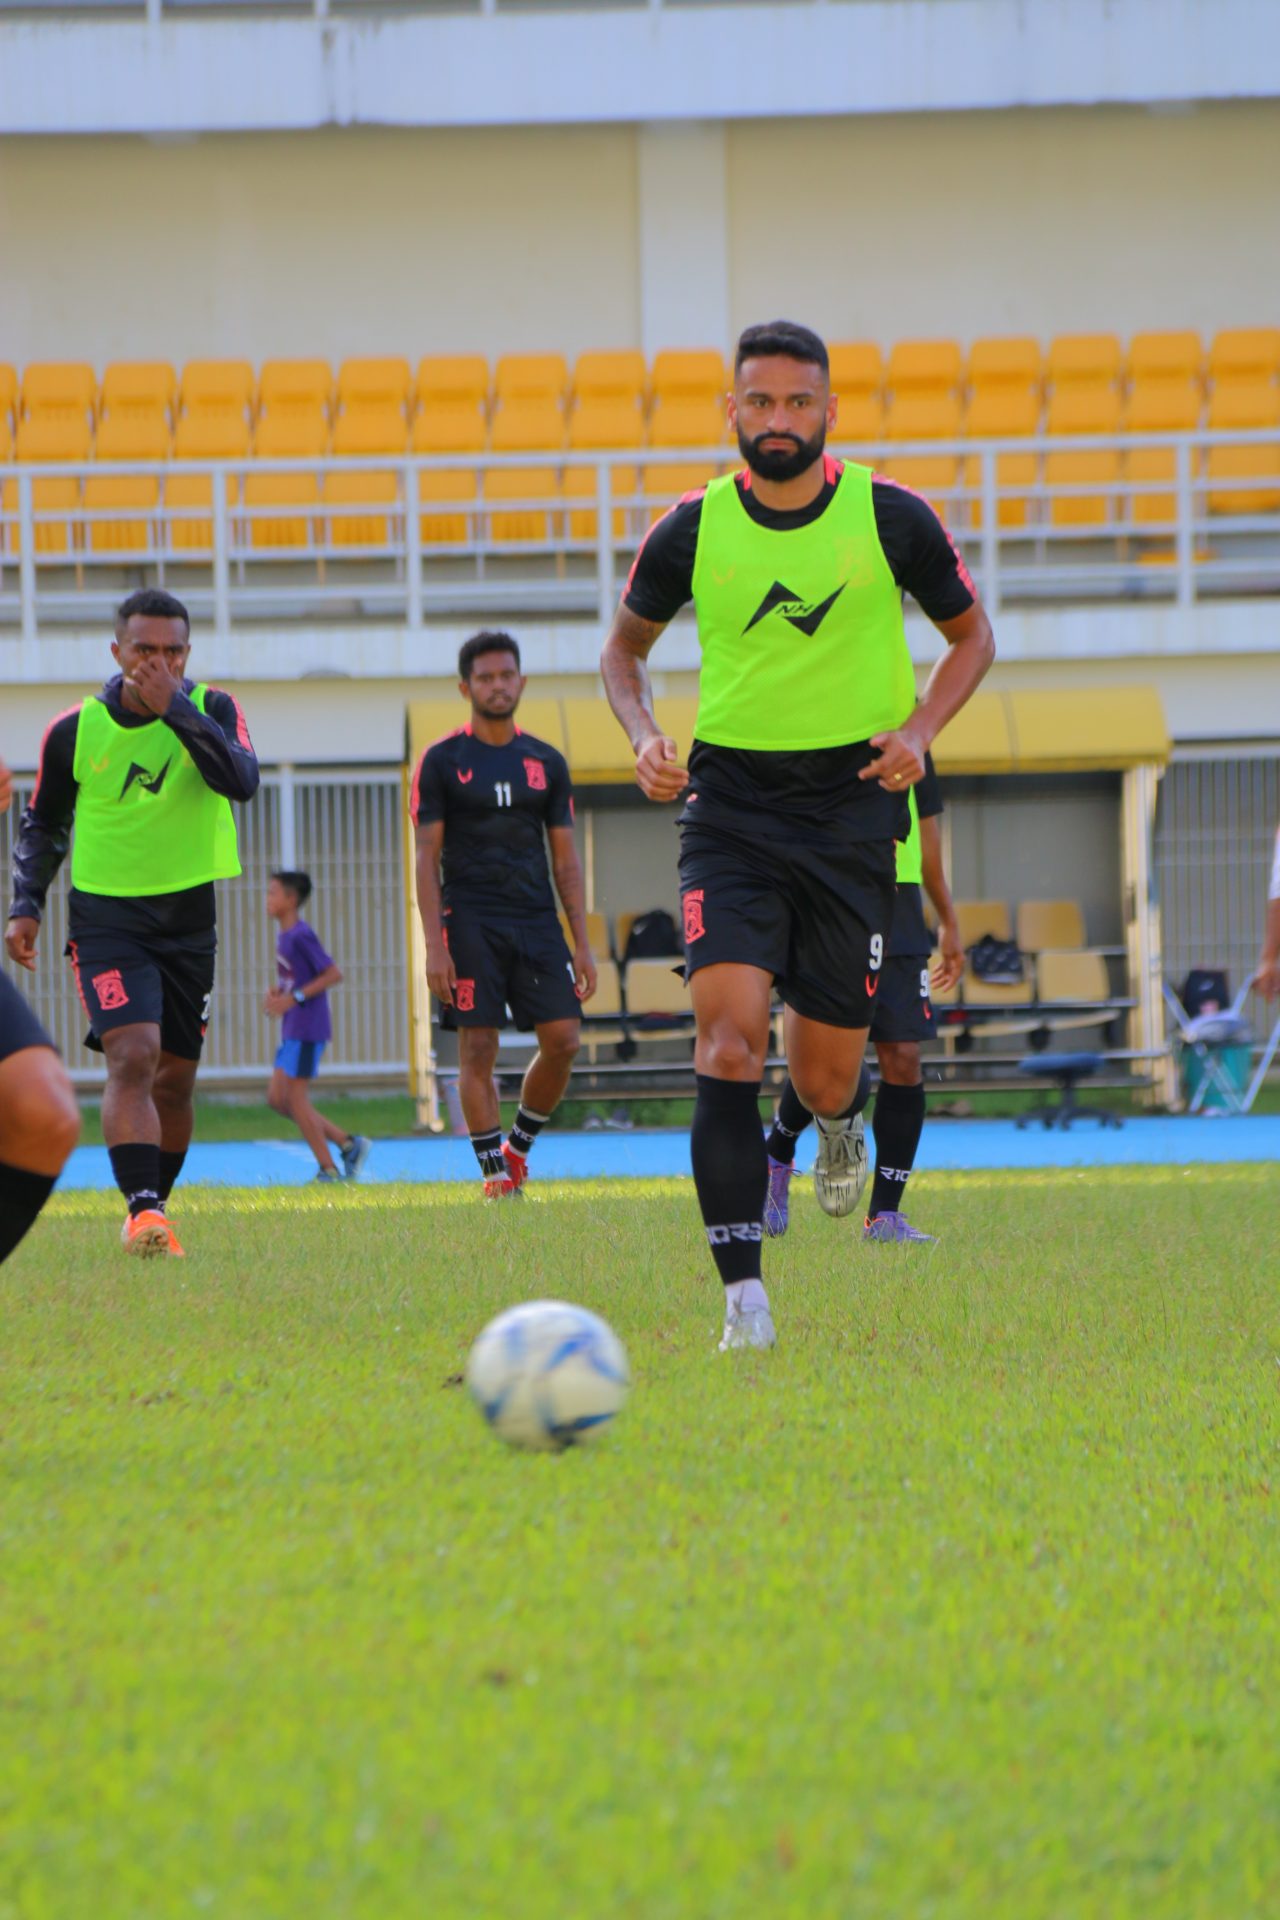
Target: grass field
x=963 y=1602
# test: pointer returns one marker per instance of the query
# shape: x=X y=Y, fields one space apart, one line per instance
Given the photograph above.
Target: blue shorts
x=300 y=1059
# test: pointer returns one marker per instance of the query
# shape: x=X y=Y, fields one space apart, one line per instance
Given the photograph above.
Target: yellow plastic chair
x=529 y=523
x=1091 y=359
x=597 y=426
x=8 y=392
x=364 y=431
x=1158 y=405
x=48 y=439
x=1248 y=403
x=301 y=385
x=139 y=387
x=449 y=427
x=1173 y=355
x=1244 y=354
x=452 y=380
x=1049 y=923
x=618 y=376
x=217 y=386
x=365 y=382
x=925 y=366
x=59 y=390
x=458 y=486
x=202 y=437
x=528 y=426
x=689 y=374
x=666 y=482
x=860 y=418
x=857 y=369
x=976 y=917
x=286 y=436
x=140 y=436
x=1003 y=412
x=1083 y=408
x=531 y=376
x=924 y=415
x=687 y=423
x=1006 y=361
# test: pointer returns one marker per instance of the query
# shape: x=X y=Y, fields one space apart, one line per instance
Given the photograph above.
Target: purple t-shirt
x=299 y=958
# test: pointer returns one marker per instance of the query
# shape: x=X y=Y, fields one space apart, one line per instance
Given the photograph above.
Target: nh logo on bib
x=149 y=782
x=805 y=616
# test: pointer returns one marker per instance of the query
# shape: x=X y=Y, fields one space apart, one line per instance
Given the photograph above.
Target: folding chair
x=1207 y=1037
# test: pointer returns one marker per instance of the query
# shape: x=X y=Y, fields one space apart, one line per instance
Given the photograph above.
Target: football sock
x=170 y=1168
x=488 y=1148
x=136 y=1167
x=526 y=1127
x=789 y=1123
x=730 y=1172
x=897 y=1123
x=22 y=1195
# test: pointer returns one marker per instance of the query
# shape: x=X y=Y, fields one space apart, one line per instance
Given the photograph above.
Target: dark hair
x=487 y=641
x=781 y=339
x=298 y=884
x=154 y=604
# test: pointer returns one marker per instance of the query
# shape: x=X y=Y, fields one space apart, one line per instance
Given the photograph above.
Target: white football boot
x=840 y=1171
x=746 y=1327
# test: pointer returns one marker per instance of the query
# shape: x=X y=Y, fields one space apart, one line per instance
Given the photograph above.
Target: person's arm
x=218 y=741
x=625 y=672
x=567 y=870
x=1267 y=978
x=950 y=952
x=43 y=836
x=971 y=648
x=441 y=976
x=280 y=1000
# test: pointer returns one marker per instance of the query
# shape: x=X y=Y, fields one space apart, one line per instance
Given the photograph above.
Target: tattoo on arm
x=623 y=666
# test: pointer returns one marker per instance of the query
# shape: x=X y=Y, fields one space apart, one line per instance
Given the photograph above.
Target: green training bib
x=910 y=853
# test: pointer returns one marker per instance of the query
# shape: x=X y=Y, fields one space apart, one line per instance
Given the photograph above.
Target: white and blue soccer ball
x=548 y=1375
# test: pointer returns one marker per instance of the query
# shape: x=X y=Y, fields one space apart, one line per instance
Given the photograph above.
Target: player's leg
x=837 y=1154
x=478 y=1092
x=308 y=1121
x=39 y=1117
x=542 y=995
x=131 y=1130
x=483 y=956
x=897 y=1122
x=173 y=1091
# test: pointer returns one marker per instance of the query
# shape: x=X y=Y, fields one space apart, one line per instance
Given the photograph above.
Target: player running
x=481 y=800
x=808 y=735
x=147 y=769
x=902 y=1018
x=39 y=1118
x=300 y=1000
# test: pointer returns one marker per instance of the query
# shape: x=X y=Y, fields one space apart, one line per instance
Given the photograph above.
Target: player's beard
x=775 y=463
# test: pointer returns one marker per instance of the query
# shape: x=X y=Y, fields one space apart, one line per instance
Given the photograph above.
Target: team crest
x=110 y=990
x=693 y=927
x=464 y=996
x=536 y=775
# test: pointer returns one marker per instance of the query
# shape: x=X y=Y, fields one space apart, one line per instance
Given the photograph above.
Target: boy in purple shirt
x=302 y=1001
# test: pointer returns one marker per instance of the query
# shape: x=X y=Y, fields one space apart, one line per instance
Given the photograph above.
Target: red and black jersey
x=496 y=803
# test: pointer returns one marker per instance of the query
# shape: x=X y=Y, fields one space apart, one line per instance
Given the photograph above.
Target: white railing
x=412 y=556
x=323 y=11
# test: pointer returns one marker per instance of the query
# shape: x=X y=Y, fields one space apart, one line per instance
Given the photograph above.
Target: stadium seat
x=1166 y=356
x=369 y=430
x=301 y=385
x=924 y=366
x=445 y=427
x=860 y=419
x=141 y=436
x=453 y=380
x=8 y=392
x=857 y=369
x=1083 y=407
x=6 y=437
x=529 y=522
x=292 y=436
x=1042 y=924
x=1076 y=977
x=665 y=482
x=1245 y=353
x=598 y=426
x=1158 y=405
x=1238 y=405
x=688 y=374
x=373 y=382
x=1002 y=363
x=597 y=937
x=49 y=439
x=617 y=376
x=995 y=993
x=1002 y=412
x=456 y=486
x=217 y=386
x=528 y=426
x=606 y=1001
x=1089 y=358
x=364 y=431
x=681 y=422
x=976 y=917
x=531 y=376
x=652 y=987
x=202 y=437
x=925 y=415
x=580 y=484
x=945 y=996
x=139 y=386
x=59 y=390
x=285 y=436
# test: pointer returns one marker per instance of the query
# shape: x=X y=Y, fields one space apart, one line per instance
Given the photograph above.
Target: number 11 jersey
x=496 y=803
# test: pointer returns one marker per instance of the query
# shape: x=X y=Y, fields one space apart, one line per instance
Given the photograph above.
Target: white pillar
x=684 y=236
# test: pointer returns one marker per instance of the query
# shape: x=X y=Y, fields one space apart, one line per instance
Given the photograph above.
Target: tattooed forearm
x=626 y=676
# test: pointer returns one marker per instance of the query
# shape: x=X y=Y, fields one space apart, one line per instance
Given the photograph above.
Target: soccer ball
x=548 y=1375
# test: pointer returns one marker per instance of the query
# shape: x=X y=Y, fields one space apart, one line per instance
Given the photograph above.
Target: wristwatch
x=300 y=998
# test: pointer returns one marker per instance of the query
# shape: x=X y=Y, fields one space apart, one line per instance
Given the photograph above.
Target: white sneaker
x=746 y=1327
x=840 y=1171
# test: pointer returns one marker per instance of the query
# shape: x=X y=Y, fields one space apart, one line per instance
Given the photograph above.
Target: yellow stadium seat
x=528 y=426
x=687 y=423
x=925 y=416
x=291 y=436
x=617 y=376
x=8 y=391
x=531 y=376
x=457 y=485
x=217 y=386
x=1247 y=403
x=528 y=522
x=445 y=428
x=142 y=436
x=580 y=484
x=992 y=993
x=1158 y=405
x=1049 y=923
x=653 y=987
x=1083 y=408
x=857 y=367
x=138 y=386
x=1003 y=412
x=299 y=384
x=286 y=436
x=976 y=917
x=6 y=437
x=1074 y=978
x=202 y=437
x=665 y=482
x=1013 y=360
x=924 y=366
x=50 y=437
x=691 y=374
x=366 y=430
x=860 y=418
x=1245 y=353
x=598 y=425
x=453 y=380
x=1091 y=358
x=374 y=382
x=1175 y=355
x=1244 y=403
x=49 y=440
x=59 y=390
x=127 y=436
x=942 y=996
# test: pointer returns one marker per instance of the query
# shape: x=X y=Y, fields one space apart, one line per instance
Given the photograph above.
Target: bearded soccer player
x=807 y=739
x=482 y=799
x=39 y=1118
x=147 y=770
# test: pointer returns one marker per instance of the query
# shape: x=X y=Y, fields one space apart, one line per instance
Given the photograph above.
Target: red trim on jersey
x=831 y=468
x=242 y=725
x=887 y=480
x=694 y=493
x=44 y=741
x=415 y=789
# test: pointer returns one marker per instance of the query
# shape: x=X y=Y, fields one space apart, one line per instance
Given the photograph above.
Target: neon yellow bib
x=910 y=852
x=145 y=820
x=802 y=637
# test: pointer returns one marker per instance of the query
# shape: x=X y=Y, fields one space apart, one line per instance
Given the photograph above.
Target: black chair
x=1066 y=1070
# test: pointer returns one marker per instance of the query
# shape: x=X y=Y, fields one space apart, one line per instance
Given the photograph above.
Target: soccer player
x=147 y=769
x=481 y=800
x=902 y=1017
x=1267 y=978
x=301 y=1001
x=808 y=735
x=39 y=1118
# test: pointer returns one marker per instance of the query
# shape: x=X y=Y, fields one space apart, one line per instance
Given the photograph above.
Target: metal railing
x=401 y=554
x=322 y=11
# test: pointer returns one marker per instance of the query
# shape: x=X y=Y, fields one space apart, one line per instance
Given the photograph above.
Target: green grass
x=960 y=1603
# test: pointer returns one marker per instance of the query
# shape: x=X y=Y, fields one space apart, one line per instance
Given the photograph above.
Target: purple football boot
x=895 y=1228
x=776 y=1204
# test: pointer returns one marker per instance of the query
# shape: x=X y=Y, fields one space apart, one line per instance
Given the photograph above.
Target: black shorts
x=124 y=978
x=816 y=917
x=19 y=1028
x=521 y=964
x=903 y=1009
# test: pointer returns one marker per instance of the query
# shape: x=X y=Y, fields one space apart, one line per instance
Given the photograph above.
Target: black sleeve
x=923 y=558
x=44 y=832
x=218 y=741
x=426 y=798
x=560 y=792
x=928 y=792
x=661 y=578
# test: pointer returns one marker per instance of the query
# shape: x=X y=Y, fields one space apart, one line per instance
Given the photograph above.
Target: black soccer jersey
x=495 y=803
x=910 y=935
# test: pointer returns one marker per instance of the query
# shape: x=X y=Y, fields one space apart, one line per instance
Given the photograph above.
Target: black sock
x=488 y=1148
x=897 y=1124
x=730 y=1172
x=526 y=1127
x=22 y=1195
x=789 y=1123
x=136 y=1167
x=170 y=1168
